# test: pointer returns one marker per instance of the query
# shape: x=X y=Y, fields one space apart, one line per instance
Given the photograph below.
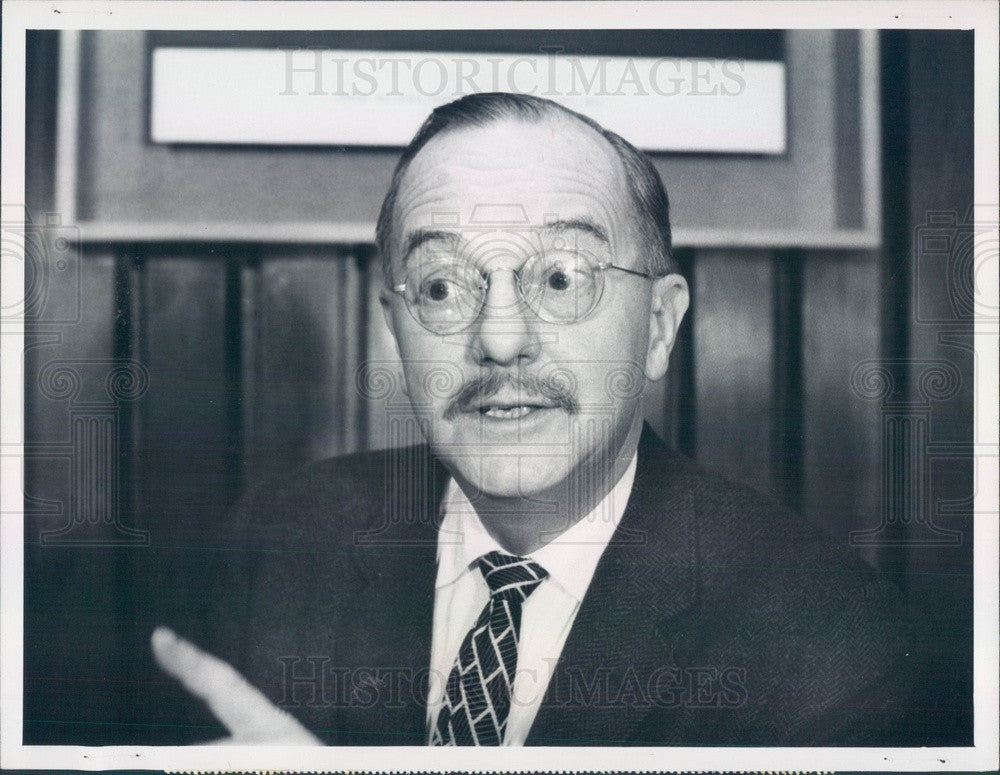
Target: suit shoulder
x=772 y=572
x=337 y=494
x=317 y=479
x=814 y=625
x=743 y=526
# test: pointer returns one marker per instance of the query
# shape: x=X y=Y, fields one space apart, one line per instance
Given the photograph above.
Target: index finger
x=241 y=708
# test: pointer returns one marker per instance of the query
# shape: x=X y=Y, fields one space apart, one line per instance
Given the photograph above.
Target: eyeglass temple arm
x=629 y=271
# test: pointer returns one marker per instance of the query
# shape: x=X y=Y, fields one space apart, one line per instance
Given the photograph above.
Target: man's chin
x=513 y=477
x=528 y=457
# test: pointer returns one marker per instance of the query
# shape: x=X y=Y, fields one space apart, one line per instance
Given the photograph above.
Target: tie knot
x=509 y=577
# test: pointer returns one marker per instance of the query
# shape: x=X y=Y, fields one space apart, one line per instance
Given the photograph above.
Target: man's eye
x=437 y=289
x=558 y=280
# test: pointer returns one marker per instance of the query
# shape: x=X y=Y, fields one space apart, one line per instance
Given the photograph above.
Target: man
x=543 y=570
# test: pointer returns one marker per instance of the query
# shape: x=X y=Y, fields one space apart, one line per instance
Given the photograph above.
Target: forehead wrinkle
x=413 y=199
x=593 y=188
x=602 y=182
x=413 y=195
x=562 y=185
x=423 y=186
x=424 y=179
x=601 y=204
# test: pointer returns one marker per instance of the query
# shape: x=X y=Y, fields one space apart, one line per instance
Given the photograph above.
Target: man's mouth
x=503 y=397
x=509 y=412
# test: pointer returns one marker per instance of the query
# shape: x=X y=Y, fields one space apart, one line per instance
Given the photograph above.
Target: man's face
x=517 y=406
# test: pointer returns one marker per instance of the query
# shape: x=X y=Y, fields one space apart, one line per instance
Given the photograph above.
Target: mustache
x=474 y=392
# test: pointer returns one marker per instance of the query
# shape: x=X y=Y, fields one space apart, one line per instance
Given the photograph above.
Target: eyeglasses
x=561 y=286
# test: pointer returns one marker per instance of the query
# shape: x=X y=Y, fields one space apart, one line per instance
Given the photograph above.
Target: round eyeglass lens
x=561 y=286
x=444 y=296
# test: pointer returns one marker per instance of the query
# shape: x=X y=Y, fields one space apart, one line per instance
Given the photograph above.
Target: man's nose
x=505 y=333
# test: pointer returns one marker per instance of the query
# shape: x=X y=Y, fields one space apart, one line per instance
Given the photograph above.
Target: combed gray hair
x=476 y=110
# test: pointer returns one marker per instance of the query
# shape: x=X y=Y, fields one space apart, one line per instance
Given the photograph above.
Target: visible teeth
x=507 y=413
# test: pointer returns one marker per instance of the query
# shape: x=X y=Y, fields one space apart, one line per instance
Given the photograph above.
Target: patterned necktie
x=477 y=696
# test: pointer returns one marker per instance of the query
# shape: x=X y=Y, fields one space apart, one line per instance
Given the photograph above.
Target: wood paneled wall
x=257 y=359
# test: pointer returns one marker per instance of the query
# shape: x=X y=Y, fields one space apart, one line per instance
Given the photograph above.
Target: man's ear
x=667 y=307
x=384 y=299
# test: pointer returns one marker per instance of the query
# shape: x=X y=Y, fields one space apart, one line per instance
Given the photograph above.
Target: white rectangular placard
x=379 y=98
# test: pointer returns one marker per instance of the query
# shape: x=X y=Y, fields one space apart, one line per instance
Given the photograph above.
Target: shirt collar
x=570 y=558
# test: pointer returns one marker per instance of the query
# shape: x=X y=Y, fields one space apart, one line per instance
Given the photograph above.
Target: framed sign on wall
x=763 y=138
x=379 y=98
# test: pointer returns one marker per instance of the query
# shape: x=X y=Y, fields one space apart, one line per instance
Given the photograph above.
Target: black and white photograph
x=610 y=385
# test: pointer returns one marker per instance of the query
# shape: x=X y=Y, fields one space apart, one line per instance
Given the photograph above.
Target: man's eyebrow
x=420 y=237
x=578 y=224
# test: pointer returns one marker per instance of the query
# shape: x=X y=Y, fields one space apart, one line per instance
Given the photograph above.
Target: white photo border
x=22 y=15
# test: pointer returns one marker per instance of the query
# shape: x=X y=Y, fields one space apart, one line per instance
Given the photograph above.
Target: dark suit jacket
x=715 y=617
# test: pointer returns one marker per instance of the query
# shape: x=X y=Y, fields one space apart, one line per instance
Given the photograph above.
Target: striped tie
x=477 y=696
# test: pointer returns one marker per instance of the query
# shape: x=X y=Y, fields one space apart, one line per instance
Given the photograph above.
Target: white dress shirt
x=461 y=594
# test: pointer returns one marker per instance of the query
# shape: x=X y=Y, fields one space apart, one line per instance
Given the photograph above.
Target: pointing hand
x=243 y=710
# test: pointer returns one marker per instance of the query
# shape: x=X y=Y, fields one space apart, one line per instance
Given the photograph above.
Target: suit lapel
x=622 y=634
x=391 y=613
